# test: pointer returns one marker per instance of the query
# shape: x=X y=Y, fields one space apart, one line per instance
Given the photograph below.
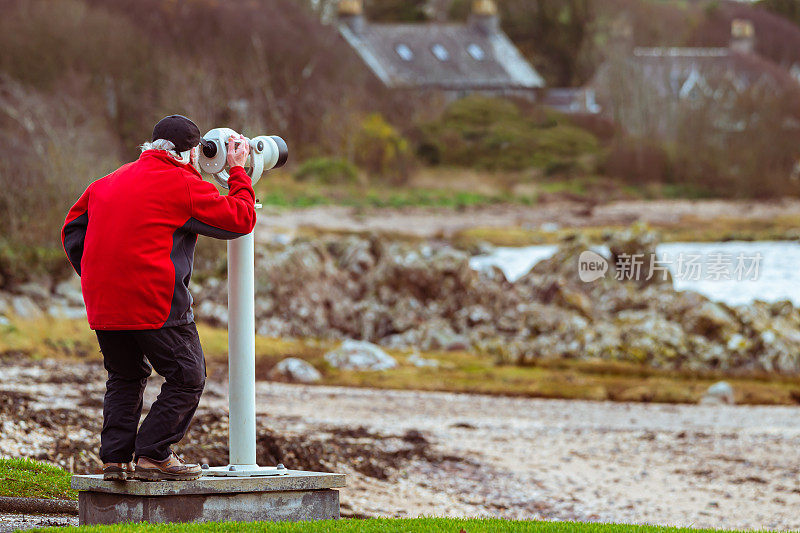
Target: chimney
x=743 y=36
x=621 y=35
x=351 y=12
x=484 y=16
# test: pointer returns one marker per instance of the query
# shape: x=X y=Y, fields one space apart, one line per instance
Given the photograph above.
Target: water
x=767 y=270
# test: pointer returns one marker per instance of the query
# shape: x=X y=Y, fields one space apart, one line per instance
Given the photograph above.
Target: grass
x=457 y=372
x=47 y=338
x=387 y=525
x=563 y=379
x=26 y=478
x=281 y=190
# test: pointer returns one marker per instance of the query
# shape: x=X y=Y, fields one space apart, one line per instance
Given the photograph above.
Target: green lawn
x=385 y=525
x=26 y=478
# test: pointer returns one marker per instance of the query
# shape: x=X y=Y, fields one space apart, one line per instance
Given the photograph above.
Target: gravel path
x=700 y=466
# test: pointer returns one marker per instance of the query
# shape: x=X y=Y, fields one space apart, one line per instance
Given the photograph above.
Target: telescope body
x=266 y=152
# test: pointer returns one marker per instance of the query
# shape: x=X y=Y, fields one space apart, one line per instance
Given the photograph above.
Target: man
x=131 y=238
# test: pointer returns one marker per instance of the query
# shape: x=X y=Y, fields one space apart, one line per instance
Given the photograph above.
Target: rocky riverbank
x=427 y=296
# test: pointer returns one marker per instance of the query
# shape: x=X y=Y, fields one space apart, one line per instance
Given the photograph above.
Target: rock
x=24 y=308
x=360 y=355
x=650 y=338
x=633 y=257
x=419 y=361
x=354 y=255
x=60 y=310
x=438 y=335
x=36 y=291
x=711 y=320
x=295 y=370
x=559 y=293
x=274 y=327
x=563 y=263
x=70 y=290
x=212 y=312
x=427 y=297
x=719 y=393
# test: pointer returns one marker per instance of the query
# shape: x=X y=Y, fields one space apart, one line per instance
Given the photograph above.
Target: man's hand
x=237 y=155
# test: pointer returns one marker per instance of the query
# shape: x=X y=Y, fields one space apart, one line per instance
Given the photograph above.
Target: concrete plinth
x=296 y=496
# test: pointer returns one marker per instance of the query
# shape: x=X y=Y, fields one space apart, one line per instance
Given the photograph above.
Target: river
x=733 y=272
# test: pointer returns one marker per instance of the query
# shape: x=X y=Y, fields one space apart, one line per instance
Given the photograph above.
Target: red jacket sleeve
x=223 y=217
x=73 y=233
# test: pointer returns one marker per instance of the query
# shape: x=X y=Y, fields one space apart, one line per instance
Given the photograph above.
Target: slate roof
x=494 y=64
x=678 y=72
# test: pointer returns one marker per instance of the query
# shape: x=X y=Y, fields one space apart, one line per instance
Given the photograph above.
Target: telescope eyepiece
x=210 y=150
x=283 y=151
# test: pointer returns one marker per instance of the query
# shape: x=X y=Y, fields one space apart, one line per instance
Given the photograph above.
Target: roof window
x=404 y=52
x=440 y=52
x=476 y=52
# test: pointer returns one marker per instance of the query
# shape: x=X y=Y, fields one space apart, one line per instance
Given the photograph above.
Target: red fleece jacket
x=131 y=238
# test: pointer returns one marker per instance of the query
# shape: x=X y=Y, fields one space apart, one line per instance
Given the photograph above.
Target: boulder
x=633 y=256
x=650 y=338
x=421 y=362
x=719 y=393
x=36 y=291
x=711 y=320
x=354 y=255
x=210 y=311
x=563 y=263
x=295 y=370
x=70 y=290
x=438 y=335
x=61 y=309
x=24 y=308
x=360 y=355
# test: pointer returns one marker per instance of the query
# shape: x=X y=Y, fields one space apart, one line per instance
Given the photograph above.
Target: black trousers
x=175 y=353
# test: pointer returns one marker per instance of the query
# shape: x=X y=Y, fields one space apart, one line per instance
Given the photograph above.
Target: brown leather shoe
x=117 y=471
x=173 y=469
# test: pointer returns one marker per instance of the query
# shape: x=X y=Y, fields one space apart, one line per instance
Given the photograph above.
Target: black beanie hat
x=181 y=131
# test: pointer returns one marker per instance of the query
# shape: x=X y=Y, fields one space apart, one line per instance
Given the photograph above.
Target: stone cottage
x=454 y=58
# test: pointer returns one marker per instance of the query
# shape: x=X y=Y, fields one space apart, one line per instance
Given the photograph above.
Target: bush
x=499 y=134
x=327 y=170
x=382 y=151
x=637 y=162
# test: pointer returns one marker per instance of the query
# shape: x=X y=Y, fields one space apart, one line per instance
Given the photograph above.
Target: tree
x=789 y=9
x=555 y=35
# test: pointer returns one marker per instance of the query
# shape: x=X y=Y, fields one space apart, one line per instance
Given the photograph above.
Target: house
x=455 y=58
x=644 y=89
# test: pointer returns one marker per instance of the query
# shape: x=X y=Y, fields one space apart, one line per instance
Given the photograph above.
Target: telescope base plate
x=245 y=471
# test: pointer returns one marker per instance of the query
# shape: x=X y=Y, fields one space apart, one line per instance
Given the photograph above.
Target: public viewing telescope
x=266 y=153
x=242 y=490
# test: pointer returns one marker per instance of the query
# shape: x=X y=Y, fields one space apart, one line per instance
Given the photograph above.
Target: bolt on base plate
x=244 y=470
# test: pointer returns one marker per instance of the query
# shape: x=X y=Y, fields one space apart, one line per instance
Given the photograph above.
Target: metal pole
x=241 y=352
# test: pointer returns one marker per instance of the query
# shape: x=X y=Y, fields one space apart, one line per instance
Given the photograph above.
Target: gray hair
x=167 y=146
